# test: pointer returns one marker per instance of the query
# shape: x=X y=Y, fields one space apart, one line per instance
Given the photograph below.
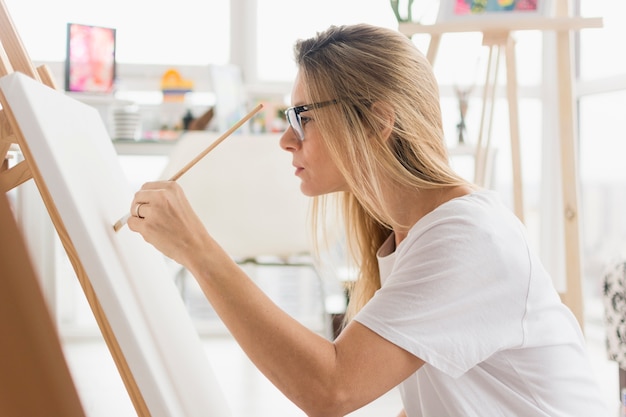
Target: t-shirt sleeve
x=456 y=293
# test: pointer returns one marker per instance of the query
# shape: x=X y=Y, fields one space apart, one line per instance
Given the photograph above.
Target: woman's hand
x=162 y=214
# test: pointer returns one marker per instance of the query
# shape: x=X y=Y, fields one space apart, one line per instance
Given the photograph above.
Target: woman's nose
x=289 y=141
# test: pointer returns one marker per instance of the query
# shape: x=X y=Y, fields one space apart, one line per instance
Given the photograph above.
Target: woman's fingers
x=163 y=216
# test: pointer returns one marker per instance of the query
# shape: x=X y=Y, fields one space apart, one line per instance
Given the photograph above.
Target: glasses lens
x=294 y=121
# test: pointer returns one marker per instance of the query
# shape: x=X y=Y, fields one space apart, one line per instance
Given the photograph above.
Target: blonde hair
x=361 y=66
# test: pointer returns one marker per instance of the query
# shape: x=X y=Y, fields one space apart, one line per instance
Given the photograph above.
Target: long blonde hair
x=359 y=66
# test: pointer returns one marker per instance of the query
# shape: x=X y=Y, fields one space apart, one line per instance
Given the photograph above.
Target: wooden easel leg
x=11 y=178
x=483 y=144
x=486 y=149
x=11 y=42
x=573 y=297
x=35 y=378
x=433 y=48
x=46 y=76
x=18 y=174
x=512 y=98
x=479 y=155
x=498 y=42
x=4 y=154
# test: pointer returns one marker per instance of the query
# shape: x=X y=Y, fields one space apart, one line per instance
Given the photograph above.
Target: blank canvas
x=78 y=163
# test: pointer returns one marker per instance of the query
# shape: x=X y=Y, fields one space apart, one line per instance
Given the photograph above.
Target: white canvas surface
x=72 y=150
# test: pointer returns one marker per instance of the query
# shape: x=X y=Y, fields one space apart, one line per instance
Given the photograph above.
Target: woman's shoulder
x=476 y=220
x=477 y=209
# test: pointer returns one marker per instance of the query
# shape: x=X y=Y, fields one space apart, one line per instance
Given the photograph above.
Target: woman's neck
x=410 y=207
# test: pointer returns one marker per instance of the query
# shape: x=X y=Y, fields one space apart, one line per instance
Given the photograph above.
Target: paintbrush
x=121 y=222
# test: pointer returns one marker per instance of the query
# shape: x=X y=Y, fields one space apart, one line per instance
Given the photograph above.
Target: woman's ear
x=385 y=118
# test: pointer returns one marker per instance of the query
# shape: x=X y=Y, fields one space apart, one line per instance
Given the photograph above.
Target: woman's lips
x=298 y=168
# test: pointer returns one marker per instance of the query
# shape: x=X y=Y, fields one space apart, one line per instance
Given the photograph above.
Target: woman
x=450 y=305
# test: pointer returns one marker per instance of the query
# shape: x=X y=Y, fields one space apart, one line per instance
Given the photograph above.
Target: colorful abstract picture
x=90 y=59
x=463 y=7
x=460 y=9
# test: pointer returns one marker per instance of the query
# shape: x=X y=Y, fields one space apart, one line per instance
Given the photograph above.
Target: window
x=151 y=32
x=602 y=139
x=600 y=48
x=278 y=29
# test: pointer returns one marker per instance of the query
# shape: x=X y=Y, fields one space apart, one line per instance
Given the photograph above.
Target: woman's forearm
x=301 y=363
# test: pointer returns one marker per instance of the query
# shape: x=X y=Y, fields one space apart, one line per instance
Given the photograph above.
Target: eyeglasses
x=295 y=121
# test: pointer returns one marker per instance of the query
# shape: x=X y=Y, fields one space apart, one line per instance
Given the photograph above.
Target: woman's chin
x=316 y=192
x=307 y=192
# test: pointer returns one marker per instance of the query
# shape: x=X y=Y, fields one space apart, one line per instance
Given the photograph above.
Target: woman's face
x=314 y=166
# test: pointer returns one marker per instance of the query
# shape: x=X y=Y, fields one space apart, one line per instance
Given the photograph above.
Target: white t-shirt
x=465 y=293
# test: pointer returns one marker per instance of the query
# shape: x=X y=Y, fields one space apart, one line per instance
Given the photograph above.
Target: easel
x=13 y=57
x=497 y=36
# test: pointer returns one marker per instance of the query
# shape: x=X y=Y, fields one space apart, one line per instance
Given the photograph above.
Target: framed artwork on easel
x=453 y=10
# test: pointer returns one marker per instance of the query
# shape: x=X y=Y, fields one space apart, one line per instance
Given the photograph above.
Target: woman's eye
x=304 y=120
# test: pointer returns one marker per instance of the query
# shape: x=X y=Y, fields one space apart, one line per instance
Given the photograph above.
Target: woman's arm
x=321 y=377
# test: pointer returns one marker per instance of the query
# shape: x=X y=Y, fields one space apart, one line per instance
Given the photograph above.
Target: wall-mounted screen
x=90 y=59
